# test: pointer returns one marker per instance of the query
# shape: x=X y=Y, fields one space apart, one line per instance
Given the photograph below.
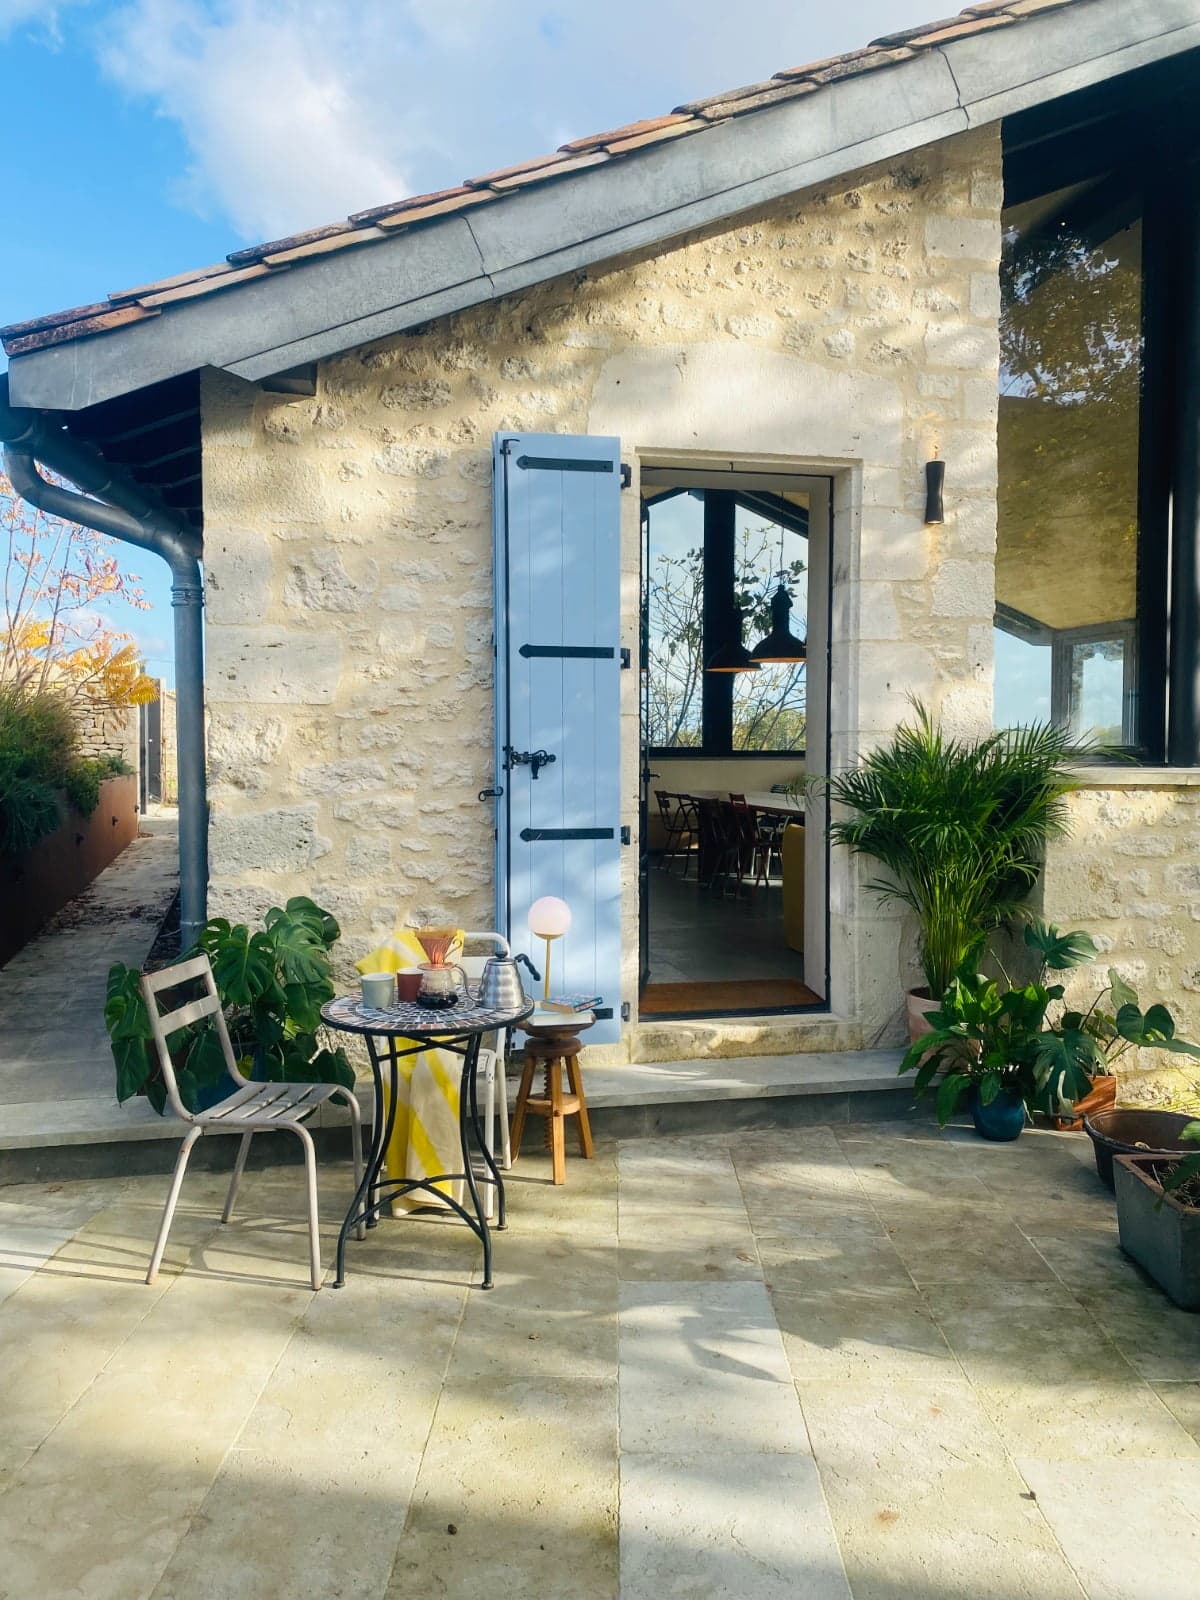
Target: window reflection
x=1067 y=533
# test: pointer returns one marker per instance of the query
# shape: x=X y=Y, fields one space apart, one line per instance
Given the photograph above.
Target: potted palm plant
x=960 y=828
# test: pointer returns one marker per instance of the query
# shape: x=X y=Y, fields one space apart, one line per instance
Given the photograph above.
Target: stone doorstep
x=91 y=1138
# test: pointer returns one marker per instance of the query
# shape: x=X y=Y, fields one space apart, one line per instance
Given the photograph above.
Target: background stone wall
x=106 y=729
x=851 y=331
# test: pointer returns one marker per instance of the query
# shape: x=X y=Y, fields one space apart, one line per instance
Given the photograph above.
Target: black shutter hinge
x=626 y=836
x=626 y=659
x=625 y=1011
x=626 y=475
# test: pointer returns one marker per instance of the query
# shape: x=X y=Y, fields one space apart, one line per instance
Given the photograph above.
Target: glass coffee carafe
x=442 y=984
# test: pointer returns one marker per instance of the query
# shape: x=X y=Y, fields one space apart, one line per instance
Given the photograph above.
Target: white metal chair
x=252 y=1108
x=491 y=1073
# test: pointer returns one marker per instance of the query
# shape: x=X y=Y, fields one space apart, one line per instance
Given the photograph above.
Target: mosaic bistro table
x=406 y=1029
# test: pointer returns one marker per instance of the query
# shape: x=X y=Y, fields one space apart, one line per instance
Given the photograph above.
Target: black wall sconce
x=935 y=478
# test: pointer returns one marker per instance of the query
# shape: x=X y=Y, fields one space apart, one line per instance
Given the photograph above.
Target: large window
x=1067 y=558
x=707 y=551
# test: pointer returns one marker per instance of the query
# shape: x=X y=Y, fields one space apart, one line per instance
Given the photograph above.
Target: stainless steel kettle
x=500 y=987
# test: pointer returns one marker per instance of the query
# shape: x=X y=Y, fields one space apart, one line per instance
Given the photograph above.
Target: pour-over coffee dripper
x=442 y=983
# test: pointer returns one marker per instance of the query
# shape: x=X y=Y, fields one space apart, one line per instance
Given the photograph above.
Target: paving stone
x=968 y=1254
x=800 y=1265
x=695 y=1526
x=670 y=1245
x=887 y=1335
x=1130 y=1529
x=525 y=1473
x=1086 y=1421
x=703 y=1371
x=923 y=1498
x=1003 y=1332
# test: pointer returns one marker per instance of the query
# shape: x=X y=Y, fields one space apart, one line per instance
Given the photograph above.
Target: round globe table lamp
x=549 y=919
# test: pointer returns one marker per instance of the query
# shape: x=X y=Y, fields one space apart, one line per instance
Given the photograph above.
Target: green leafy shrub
x=1004 y=1038
x=272 y=982
x=37 y=752
x=83 y=780
x=38 y=763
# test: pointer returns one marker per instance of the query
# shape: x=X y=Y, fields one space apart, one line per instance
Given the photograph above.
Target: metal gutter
x=113 y=504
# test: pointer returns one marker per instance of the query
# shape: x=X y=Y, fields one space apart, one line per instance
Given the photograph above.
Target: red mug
x=407 y=984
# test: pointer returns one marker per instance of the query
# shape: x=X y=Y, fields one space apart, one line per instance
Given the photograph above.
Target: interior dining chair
x=252 y=1108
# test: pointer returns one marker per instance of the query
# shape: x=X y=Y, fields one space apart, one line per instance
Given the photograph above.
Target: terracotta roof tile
x=456 y=200
x=904 y=35
x=322 y=247
x=811 y=68
x=188 y=291
x=255 y=252
x=365 y=227
x=121 y=295
x=871 y=61
x=101 y=320
x=770 y=94
x=413 y=202
x=558 y=169
x=623 y=136
x=680 y=125
x=1027 y=8
x=487 y=179
x=960 y=29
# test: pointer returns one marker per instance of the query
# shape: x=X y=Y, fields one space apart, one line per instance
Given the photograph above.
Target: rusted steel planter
x=35 y=885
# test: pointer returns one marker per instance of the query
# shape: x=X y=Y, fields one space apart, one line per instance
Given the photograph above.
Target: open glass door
x=735 y=598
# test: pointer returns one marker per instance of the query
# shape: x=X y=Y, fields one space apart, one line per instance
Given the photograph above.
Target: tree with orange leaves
x=58 y=577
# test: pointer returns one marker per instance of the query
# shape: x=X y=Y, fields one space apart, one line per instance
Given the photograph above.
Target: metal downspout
x=114 y=504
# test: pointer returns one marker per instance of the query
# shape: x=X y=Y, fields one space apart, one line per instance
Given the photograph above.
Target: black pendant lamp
x=781 y=643
x=732 y=655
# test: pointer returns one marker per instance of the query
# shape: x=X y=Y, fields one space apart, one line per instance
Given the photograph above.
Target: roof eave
x=342 y=300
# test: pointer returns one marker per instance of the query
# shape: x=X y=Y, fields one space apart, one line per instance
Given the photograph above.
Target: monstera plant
x=272 y=982
x=1009 y=1048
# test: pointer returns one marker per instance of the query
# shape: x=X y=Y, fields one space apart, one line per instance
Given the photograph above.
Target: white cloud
x=44 y=13
x=299 y=111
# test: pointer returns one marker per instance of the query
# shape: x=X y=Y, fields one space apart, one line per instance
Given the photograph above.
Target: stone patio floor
x=869 y=1361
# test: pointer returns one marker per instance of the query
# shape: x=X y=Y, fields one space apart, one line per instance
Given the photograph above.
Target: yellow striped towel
x=425 y=1140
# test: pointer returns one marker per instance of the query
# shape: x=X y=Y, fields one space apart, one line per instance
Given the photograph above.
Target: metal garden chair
x=252 y=1108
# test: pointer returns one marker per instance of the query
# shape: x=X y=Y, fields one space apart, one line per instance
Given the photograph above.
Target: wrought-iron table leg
x=468 y=1123
x=380 y=1135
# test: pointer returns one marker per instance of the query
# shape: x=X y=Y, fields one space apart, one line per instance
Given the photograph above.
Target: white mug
x=379 y=990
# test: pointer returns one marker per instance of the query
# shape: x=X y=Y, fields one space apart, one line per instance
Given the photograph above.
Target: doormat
x=763 y=995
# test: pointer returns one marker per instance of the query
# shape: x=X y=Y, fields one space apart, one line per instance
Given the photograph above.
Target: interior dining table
x=788 y=805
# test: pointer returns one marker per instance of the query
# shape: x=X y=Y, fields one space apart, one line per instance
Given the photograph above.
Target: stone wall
x=169 y=771
x=851 y=331
x=1130 y=876
x=106 y=729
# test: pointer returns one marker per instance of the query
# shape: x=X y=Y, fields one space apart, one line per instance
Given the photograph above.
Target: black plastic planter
x=1131 y=1132
x=1164 y=1241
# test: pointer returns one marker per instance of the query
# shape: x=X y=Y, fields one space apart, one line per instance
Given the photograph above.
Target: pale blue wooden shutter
x=557 y=563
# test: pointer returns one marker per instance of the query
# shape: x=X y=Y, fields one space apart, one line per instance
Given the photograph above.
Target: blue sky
x=145 y=136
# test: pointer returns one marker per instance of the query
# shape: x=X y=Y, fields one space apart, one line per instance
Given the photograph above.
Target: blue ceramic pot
x=1003 y=1119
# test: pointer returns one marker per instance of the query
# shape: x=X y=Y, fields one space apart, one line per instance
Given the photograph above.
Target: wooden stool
x=553 y=1052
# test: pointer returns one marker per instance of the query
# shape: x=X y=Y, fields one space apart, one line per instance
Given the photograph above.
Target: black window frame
x=720 y=571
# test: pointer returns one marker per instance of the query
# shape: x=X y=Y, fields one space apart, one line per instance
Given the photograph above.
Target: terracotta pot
x=919 y=1006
